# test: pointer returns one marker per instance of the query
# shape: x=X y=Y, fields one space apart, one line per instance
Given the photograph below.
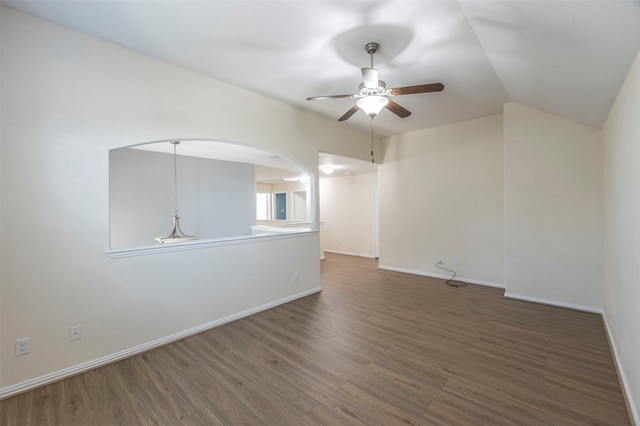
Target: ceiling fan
x=373 y=94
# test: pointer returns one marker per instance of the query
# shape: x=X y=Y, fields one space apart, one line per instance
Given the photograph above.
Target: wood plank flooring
x=374 y=347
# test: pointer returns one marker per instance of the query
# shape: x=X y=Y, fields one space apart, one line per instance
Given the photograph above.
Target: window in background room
x=263 y=206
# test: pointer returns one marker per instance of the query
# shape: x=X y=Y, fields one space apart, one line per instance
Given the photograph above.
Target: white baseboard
x=626 y=390
x=370 y=256
x=99 y=362
x=441 y=276
x=554 y=303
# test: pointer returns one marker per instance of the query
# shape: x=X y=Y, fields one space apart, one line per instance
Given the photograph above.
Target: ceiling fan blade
x=370 y=77
x=349 y=113
x=420 y=88
x=315 y=98
x=398 y=110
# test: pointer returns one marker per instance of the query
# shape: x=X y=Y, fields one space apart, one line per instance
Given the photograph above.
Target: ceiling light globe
x=372 y=105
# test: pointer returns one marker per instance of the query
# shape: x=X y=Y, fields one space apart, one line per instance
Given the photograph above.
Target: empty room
x=319 y=212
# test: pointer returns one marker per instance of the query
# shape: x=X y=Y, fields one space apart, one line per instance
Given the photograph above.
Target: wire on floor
x=450 y=281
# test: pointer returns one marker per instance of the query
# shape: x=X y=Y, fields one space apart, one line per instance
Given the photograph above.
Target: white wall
x=553 y=208
x=441 y=195
x=347 y=210
x=622 y=232
x=67 y=99
x=215 y=198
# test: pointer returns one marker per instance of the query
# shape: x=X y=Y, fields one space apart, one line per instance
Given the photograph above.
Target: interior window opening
x=206 y=191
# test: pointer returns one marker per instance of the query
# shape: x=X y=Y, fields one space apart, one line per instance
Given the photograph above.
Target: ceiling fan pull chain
x=372 y=159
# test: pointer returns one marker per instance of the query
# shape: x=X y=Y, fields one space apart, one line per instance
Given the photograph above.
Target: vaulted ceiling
x=565 y=57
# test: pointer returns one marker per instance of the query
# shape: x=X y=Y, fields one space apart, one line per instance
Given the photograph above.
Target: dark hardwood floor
x=374 y=347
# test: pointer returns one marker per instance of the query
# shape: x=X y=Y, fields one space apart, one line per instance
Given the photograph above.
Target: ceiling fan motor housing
x=381 y=90
x=371 y=48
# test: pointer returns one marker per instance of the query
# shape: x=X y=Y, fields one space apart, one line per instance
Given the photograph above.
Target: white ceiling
x=343 y=166
x=269 y=168
x=565 y=57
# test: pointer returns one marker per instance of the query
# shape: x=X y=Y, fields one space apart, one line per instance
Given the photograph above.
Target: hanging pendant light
x=176 y=235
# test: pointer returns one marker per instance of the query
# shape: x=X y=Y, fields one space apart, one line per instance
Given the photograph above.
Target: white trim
x=375 y=232
x=441 y=276
x=200 y=244
x=99 y=362
x=633 y=411
x=553 y=303
x=346 y=253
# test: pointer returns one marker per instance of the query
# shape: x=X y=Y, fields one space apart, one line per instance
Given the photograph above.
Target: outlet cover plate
x=23 y=346
x=75 y=333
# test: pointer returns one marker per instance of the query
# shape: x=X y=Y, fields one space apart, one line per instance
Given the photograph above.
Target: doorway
x=281 y=205
x=299 y=205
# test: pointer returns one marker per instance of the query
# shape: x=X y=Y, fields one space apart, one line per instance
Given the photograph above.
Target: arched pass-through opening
x=216 y=188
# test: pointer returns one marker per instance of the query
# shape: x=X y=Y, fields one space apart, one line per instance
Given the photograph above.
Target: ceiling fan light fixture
x=372 y=105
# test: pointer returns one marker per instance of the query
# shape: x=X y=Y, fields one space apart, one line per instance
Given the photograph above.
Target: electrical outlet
x=457 y=262
x=23 y=346
x=296 y=277
x=75 y=333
